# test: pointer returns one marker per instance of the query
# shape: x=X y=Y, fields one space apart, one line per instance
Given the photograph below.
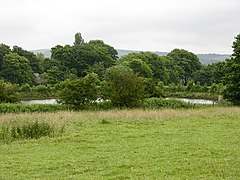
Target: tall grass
x=26 y=130
x=160 y=103
x=29 y=108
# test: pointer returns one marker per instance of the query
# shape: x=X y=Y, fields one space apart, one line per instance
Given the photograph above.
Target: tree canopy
x=232 y=74
x=16 y=69
x=81 y=92
x=78 y=39
x=188 y=61
x=125 y=80
x=124 y=88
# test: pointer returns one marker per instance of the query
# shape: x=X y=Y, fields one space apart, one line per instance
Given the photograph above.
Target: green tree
x=107 y=49
x=80 y=93
x=124 y=88
x=4 y=49
x=218 y=71
x=163 y=68
x=188 y=62
x=78 y=39
x=83 y=57
x=212 y=73
x=8 y=92
x=52 y=75
x=99 y=69
x=139 y=67
x=16 y=69
x=232 y=74
x=34 y=61
x=204 y=75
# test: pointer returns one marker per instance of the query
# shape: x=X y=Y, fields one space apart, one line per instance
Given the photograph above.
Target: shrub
x=160 y=103
x=123 y=87
x=80 y=93
x=8 y=92
x=26 y=88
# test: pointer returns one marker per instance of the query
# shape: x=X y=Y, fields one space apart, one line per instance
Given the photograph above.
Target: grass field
x=128 y=144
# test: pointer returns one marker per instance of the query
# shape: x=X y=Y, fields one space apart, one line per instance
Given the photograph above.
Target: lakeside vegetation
x=86 y=71
x=167 y=144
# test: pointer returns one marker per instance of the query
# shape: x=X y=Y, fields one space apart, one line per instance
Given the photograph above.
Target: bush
x=160 y=103
x=26 y=88
x=123 y=87
x=8 y=92
x=80 y=93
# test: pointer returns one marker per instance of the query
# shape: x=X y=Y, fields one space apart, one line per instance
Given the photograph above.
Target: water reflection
x=54 y=101
x=197 y=101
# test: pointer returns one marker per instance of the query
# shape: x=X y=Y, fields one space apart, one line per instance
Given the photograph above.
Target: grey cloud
x=199 y=25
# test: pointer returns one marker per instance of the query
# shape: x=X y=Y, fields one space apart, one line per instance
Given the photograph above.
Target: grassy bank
x=137 y=144
x=27 y=108
x=151 y=103
x=193 y=95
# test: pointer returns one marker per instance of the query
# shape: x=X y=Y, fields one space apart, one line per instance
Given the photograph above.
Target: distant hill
x=45 y=52
x=204 y=58
x=122 y=52
x=212 y=58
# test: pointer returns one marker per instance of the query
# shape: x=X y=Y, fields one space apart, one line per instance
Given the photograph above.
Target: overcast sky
x=200 y=26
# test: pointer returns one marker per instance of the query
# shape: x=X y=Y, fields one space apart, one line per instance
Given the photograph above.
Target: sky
x=199 y=26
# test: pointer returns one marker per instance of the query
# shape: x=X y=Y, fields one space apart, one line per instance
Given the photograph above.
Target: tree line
x=90 y=70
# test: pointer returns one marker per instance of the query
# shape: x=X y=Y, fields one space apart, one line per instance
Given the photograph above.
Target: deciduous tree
x=232 y=74
x=79 y=93
x=188 y=61
x=124 y=88
x=16 y=69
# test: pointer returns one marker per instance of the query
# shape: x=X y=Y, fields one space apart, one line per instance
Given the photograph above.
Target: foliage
x=53 y=75
x=16 y=69
x=216 y=88
x=105 y=49
x=148 y=60
x=139 y=67
x=82 y=57
x=4 y=49
x=163 y=67
x=160 y=103
x=78 y=39
x=232 y=74
x=152 y=88
x=99 y=69
x=8 y=92
x=212 y=73
x=31 y=57
x=192 y=87
x=203 y=76
x=124 y=88
x=188 y=61
x=28 y=130
x=37 y=92
x=175 y=88
x=29 y=108
x=80 y=93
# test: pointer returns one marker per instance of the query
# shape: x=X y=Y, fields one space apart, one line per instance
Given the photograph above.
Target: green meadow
x=124 y=144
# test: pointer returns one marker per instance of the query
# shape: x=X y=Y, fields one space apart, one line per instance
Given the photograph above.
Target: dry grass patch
x=120 y=115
